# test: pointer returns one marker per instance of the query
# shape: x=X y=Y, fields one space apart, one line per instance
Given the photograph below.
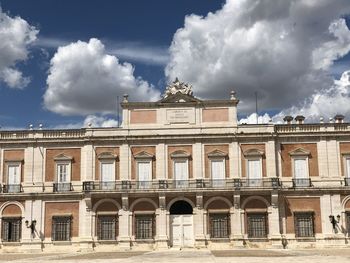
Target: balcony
x=228 y=184
x=11 y=188
x=347 y=181
x=62 y=187
x=304 y=182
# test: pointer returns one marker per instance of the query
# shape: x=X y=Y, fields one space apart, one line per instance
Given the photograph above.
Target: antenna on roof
x=256 y=106
x=118 y=110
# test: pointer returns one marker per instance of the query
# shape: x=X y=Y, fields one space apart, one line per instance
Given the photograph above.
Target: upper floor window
x=300 y=167
x=181 y=169
x=63 y=172
x=107 y=170
x=254 y=166
x=144 y=169
x=13 y=177
x=217 y=167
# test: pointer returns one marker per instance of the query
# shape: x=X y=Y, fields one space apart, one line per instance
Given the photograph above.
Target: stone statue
x=176 y=87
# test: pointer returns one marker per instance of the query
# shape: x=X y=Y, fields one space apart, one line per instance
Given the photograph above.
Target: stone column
x=197 y=161
x=235 y=161
x=160 y=161
x=198 y=222
x=32 y=211
x=161 y=223
x=237 y=231
x=274 y=221
x=85 y=224
x=271 y=159
x=88 y=163
x=124 y=224
x=124 y=159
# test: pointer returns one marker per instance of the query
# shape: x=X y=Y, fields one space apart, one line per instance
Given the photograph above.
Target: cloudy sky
x=64 y=63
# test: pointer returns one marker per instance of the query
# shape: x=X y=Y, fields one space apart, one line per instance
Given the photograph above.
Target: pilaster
x=198 y=222
x=124 y=224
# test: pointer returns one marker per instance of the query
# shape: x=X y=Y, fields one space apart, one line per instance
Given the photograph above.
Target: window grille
x=61 y=228
x=257 y=225
x=304 y=224
x=11 y=229
x=107 y=227
x=144 y=226
x=348 y=222
x=219 y=225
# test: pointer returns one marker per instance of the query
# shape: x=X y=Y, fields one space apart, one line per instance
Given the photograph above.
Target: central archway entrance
x=181 y=224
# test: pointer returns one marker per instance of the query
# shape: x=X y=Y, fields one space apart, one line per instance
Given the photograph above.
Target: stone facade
x=180 y=172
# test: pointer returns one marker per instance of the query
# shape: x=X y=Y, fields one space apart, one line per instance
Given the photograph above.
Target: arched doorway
x=181 y=224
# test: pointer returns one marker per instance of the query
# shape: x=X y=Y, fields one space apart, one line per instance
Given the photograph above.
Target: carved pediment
x=253 y=153
x=217 y=153
x=179 y=98
x=106 y=155
x=180 y=154
x=63 y=157
x=299 y=152
x=143 y=155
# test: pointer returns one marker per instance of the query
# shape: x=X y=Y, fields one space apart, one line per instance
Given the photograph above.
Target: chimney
x=288 y=119
x=299 y=119
x=339 y=118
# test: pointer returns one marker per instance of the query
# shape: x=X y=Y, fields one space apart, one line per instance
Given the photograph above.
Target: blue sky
x=141 y=33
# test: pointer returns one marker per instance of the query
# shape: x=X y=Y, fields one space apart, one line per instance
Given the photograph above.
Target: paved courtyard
x=184 y=256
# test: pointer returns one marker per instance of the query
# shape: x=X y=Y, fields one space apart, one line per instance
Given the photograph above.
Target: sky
x=64 y=63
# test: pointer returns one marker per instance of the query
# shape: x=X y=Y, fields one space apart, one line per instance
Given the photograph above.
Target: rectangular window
x=14 y=178
x=254 y=172
x=257 y=225
x=219 y=225
x=11 y=229
x=63 y=176
x=144 y=174
x=107 y=227
x=144 y=225
x=304 y=224
x=107 y=175
x=218 y=172
x=301 y=174
x=181 y=173
x=61 y=228
x=347 y=161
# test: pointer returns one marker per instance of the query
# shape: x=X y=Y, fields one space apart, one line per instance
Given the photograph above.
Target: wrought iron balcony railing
x=347 y=181
x=62 y=187
x=304 y=182
x=181 y=184
x=12 y=188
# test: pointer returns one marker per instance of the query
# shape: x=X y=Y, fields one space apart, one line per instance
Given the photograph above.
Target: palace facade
x=179 y=172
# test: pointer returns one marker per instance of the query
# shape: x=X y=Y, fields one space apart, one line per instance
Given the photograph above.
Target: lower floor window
x=11 y=229
x=348 y=222
x=107 y=227
x=219 y=225
x=257 y=225
x=304 y=224
x=144 y=226
x=61 y=228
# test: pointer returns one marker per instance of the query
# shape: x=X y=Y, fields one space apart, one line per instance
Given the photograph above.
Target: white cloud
x=253 y=119
x=16 y=35
x=83 y=79
x=282 y=49
x=325 y=103
x=126 y=50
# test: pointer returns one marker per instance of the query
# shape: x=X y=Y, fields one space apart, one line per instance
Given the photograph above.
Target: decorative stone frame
x=180 y=156
x=217 y=155
x=107 y=157
x=253 y=154
x=300 y=154
x=144 y=157
x=63 y=159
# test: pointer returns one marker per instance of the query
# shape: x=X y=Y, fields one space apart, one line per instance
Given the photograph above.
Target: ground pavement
x=190 y=256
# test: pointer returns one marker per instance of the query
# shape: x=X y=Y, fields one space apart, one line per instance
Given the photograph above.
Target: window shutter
x=217 y=168
x=300 y=171
x=107 y=172
x=254 y=169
